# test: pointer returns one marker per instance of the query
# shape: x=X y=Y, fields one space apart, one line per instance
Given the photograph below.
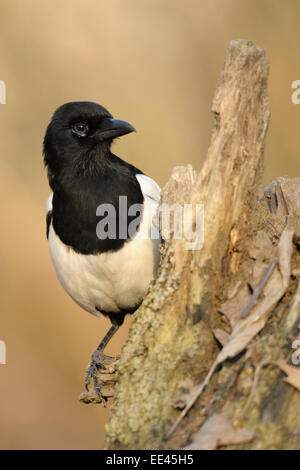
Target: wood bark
x=181 y=326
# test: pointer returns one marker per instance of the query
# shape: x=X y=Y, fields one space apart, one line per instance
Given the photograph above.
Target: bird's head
x=78 y=134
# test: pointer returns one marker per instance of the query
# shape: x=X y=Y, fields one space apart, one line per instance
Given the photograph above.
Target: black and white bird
x=106 y=275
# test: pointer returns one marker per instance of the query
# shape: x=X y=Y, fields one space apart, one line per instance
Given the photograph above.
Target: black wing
x=48 y=221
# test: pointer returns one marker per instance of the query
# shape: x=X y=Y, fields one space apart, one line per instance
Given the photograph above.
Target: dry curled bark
x=180 y=329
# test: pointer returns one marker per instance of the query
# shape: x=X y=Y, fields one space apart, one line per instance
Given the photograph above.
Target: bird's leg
x=97 y=359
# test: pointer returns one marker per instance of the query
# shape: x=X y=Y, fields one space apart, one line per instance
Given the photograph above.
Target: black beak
x=112 y=128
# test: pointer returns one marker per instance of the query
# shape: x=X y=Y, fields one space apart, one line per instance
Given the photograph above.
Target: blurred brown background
x=154 y=63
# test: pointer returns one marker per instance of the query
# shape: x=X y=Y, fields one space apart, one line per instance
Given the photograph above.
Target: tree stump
x=209 y=350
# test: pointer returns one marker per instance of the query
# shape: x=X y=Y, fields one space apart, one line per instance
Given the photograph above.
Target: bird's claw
x=95 y=365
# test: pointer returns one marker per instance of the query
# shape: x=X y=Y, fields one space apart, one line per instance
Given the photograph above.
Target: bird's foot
x=105 y=367
x=96 y=364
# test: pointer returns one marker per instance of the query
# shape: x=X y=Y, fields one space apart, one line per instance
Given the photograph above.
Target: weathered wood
x=172 y=337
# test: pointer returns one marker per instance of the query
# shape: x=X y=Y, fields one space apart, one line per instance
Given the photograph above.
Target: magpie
x=107 y=274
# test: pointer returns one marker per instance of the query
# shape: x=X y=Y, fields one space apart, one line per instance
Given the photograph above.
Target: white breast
x=112 y=281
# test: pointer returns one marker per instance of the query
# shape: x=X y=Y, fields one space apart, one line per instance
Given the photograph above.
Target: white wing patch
x=149 y=187
x=49 y=203
x=151 y=192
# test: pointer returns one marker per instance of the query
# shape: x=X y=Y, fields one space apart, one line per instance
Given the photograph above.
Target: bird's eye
x=81 y=129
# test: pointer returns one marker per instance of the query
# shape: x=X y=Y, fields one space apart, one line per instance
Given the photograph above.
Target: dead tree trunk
x=200 y=316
